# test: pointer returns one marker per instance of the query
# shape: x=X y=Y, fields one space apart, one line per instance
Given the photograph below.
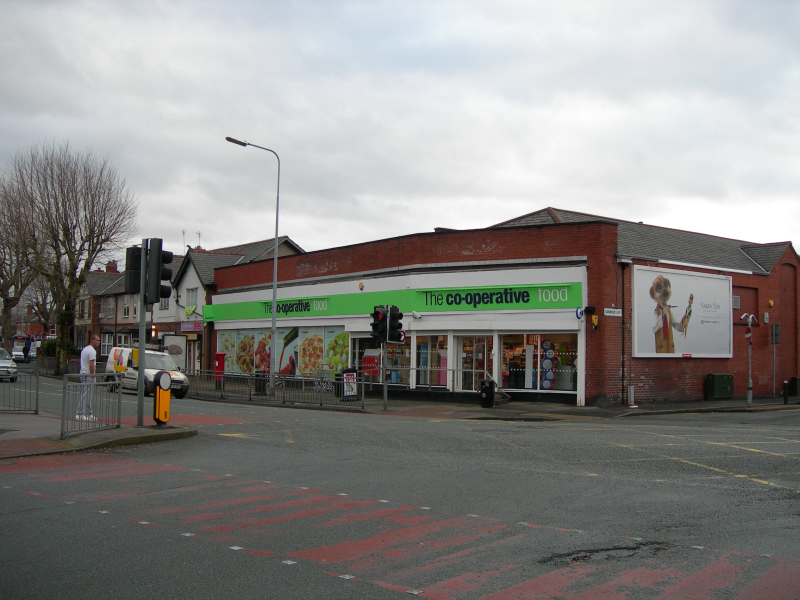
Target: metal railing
x=47 y=365
x=90 y=403
x=324 y=389
x=21 y=392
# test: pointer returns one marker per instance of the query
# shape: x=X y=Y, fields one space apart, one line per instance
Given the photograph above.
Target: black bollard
x=786 y=392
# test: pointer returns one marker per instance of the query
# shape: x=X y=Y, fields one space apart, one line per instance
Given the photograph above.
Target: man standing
x=88 y=359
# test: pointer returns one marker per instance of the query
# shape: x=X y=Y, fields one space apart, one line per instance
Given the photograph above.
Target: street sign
x=748 y=335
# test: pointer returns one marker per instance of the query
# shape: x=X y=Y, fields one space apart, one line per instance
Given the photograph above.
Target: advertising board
x=681 y=314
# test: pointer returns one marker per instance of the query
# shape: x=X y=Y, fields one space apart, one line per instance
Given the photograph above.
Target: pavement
x=28 y=434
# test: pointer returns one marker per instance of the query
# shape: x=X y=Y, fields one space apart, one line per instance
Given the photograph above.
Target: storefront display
x=301 y=351
x=456 y=335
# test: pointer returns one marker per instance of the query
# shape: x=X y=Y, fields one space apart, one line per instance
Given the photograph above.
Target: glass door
x=476 y=360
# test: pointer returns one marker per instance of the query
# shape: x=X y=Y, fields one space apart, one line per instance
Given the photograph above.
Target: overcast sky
x=393 y=118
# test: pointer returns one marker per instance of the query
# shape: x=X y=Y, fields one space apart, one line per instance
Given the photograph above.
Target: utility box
x=719 y=386
x=793 y=387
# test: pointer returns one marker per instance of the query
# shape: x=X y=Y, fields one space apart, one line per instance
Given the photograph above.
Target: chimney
x=111 y=267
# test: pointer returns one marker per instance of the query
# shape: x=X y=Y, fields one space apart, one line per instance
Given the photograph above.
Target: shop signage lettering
x=541 y=296
x=506 y=296
x=288 y=308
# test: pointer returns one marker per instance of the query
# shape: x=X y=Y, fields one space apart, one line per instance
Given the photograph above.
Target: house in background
x=180 y=317
x=96 y=307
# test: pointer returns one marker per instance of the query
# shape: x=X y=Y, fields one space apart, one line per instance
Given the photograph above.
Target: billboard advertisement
x=681 y=314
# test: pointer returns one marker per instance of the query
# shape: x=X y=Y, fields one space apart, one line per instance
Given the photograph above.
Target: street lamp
x=273 y=367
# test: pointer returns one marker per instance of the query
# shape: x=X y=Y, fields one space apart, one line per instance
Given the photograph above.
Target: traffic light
x=157 y=272
x=133 y=269
x=379 y=320
x=395 y=334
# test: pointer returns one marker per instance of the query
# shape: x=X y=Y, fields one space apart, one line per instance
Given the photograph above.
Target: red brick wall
x=590 y=239
x=676 y=379
x=608 y=286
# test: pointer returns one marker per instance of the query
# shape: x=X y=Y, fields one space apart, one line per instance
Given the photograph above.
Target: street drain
x=640 y=550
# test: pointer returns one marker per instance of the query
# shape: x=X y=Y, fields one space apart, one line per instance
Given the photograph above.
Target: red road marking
x=406 y=551
x=704 y=584
x=191 y=419
x=781 y=582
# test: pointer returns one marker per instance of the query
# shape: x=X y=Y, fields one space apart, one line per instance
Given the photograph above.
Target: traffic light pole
x=385 y=371
x=142 y=324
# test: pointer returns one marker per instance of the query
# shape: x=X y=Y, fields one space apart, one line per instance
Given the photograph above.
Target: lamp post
x=273 y=367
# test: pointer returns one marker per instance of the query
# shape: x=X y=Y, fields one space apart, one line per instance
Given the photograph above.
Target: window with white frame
x=164 y=304
x=126 y=307
x=191 y=296
x=106 y=343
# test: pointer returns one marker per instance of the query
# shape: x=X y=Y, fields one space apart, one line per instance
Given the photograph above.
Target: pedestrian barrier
x=90 y=403
x=20 y=393
x=323 y=389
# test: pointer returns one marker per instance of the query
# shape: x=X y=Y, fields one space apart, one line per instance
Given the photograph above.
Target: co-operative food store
x=561 y=307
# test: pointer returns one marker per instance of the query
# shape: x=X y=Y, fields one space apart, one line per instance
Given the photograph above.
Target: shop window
x=432 y=367
x=398 y=357
x=545 y=362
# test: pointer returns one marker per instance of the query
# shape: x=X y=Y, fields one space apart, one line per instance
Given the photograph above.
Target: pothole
x=639 y=551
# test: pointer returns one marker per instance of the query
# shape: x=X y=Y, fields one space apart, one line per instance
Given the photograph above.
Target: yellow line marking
x=289 y=439
x=239 y=435
x=715 y=469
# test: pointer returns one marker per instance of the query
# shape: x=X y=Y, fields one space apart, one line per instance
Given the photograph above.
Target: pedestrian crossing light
x=157 y=272
x=379 y=321
x=395 y=335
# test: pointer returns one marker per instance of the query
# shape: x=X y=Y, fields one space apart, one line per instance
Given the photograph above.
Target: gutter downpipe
x=623 y=262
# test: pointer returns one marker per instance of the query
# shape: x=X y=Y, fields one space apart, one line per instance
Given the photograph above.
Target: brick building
x=552 y=303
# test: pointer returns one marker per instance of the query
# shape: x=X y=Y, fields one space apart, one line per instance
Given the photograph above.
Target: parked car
x=18 y=354
x=124 y=360
x=8 y=369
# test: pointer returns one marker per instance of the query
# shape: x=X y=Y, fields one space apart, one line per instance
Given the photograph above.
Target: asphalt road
x=281 y=503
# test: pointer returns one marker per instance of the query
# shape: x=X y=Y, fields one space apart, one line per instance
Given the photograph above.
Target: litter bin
x=261 y=382
x=487 y=393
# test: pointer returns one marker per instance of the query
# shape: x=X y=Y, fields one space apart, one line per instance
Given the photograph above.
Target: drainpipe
x=623 y=262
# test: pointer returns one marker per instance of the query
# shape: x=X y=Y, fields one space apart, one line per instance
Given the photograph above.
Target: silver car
x=8 y=368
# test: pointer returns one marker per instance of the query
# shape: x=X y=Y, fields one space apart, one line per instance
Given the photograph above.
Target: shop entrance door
x=476 y=361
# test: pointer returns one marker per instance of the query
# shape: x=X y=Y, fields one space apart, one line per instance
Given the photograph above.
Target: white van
x=126 y=360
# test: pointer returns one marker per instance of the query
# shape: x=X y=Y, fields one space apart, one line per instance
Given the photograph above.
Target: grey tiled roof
x=258 y=250
x=766 y=255
x=98 y=282
x=637 y=240
x=205 y=263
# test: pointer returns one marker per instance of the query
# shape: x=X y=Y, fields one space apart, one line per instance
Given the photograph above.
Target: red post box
x=219 y=368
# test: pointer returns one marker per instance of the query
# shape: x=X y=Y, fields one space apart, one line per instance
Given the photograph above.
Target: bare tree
x=15 y=254
x=40 y=298
x=80 y=210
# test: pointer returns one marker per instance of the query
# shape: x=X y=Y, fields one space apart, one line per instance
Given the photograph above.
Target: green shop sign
x=470 y=299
